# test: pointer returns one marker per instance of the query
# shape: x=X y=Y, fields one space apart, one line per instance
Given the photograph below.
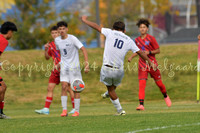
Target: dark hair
x=62 y=23
x=143 y=21
x=5 y=27
x=53 y=28
x=119 y=26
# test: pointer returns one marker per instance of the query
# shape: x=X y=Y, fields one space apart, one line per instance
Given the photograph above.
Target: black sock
x=1 y=111
x=165 y=95
x=141 y=101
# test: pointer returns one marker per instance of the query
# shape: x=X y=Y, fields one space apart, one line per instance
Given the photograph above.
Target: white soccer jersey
x=69 y=51
x=117 y=44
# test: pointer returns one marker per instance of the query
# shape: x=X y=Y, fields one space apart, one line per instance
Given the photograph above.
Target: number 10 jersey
x=117 y=44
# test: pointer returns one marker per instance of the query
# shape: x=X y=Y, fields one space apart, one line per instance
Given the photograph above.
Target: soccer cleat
x=43 y=111
x=72 y=111
x=104 y=95
x=3 y=116
x=64 y=113
x=168 y=101
x=140 y=107
x=122 y=112
x=75 y=114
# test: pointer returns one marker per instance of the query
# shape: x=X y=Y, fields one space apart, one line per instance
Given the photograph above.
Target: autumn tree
x=34 y=18
x=127 y=10
x=6 y=4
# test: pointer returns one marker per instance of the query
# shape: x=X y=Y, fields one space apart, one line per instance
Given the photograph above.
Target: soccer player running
x=54 y=79
x=7 y=30
x=117 y=44
x=68 y=45
x=149 y=45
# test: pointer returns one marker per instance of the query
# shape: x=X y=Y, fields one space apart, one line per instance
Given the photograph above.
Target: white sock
x=106 y=93
x=46 y=109
x=117 y=104
x=64 y=102
x=77 y=104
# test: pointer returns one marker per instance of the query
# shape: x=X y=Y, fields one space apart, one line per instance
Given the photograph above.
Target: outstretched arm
x=132 y=56
x=87 y=68
x=156 y=51
x=91 y=24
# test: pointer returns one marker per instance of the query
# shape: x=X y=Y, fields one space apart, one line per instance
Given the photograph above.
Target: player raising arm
x=149 y=45
x=117 y=44
x=68 y=45
x=6 y=34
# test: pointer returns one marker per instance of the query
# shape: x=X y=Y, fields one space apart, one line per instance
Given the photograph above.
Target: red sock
x=1 y=104
x=72 y=100
x=48 y=102
x=161 y=86
x=142 y=85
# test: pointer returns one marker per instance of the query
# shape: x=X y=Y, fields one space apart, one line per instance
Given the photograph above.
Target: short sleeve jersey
x=3 y=43
x=69 y=51
x=117 y=44
x=149 y=43
x=55 y=54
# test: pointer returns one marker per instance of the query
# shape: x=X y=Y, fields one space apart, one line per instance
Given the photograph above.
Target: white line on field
x=164 y=127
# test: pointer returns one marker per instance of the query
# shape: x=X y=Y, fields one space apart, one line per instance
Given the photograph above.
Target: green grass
x=100 y=118
x=27 y=91
x=30 y=86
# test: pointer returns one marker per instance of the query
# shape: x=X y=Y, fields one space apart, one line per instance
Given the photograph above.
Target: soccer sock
x=64 y=102
x=1 y=107
x=162 y=88
x=117 y=104
x=142 y=85
x=72 y=100
x=141 y=101
x=48 y=102
x=106 y=93
x=77 y=104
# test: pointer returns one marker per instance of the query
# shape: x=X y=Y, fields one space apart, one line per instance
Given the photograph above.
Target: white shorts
x=111 y=76
x=70 y=74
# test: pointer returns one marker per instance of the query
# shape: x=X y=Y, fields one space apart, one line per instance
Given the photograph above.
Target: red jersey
x=55 y=54
x=3 y=43
x=149 y=43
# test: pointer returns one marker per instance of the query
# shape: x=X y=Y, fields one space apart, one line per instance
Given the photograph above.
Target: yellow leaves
x=177 y=13
x=46 y=1
x=163 y=5
x=6 y=4
x=102 y=4
x=42 y=30
x=79 y=32
x=76 y=13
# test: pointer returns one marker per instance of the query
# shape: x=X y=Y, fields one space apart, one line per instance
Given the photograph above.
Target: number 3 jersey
x=117 y=44
x=69 y=51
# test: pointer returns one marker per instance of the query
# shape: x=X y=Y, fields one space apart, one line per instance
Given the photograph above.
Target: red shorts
x=54 y=78
x=143 y=74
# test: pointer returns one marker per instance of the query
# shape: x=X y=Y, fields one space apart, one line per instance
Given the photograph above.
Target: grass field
x=181 y=117
x=27 y=91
